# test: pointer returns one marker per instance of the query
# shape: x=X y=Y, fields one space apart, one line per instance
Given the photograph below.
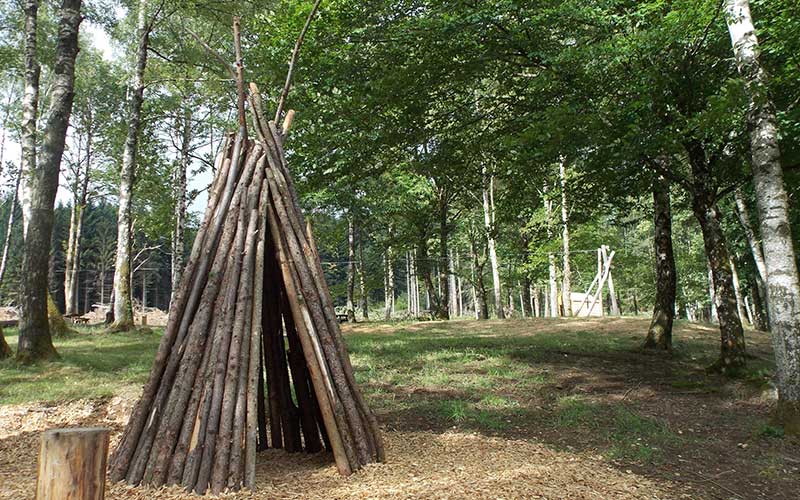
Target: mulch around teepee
x=450 y=465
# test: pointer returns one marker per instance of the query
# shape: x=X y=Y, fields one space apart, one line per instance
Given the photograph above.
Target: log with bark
x=252 y=356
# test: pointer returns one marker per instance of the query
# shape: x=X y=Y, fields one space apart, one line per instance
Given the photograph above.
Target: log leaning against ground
x=252 y=356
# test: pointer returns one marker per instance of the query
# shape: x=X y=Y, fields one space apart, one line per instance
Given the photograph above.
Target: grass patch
x=93 y=364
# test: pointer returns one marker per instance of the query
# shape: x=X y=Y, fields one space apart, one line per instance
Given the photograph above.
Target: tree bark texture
x=179 y=182
x=123 y=301
x=732 y=344
x=80 y=190
x=566 y=287
x=351 y=270
x=659 y=335
x=783 y=285
x=41 y=184
x=489 y=224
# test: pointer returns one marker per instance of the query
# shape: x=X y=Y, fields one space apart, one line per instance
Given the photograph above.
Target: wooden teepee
x=252 y=319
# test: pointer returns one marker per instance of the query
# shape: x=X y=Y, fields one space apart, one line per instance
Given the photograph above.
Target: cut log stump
x=72 y=464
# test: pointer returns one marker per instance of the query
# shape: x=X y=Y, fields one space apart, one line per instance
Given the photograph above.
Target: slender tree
x=489 y=224
x=41 y=181
x=783 y=285
x=179 y=184
x=123 y=303
x=80 y=191
x=351 y=269
x=659 y=335
x=566 y=287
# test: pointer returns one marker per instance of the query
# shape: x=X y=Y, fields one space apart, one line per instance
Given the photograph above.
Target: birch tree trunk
x=179 y=180
x=737 y=291
x=659 y=335
x=712 y=295
x=388 y=308
x=760 y=319
x=552 y=304
x=445 y=309
x=452 y=286
x=77 y=215
x=488 y=218
x=351 y=270
x=41 y=183
x=783 y=285
x=479 y=290
x=9 y=227
x=566 y=287
x=362 y=284
x=30 y=109
x=123 y=303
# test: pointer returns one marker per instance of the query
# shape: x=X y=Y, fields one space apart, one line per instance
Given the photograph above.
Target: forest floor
x=567 y=408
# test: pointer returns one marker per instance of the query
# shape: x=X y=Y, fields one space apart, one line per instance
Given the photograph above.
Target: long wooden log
x=300 y=378
x=309 y=247
x=240 y=368
x=254 y=363
x=179 y=390
x=124 y=452
x=221 y=365
x=343 y=455
x=358 y=425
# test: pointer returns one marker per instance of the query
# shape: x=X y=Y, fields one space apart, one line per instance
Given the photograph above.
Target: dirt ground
x=446 y=465
x=710 y=438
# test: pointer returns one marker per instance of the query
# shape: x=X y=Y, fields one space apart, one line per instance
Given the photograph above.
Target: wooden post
x=72 y=464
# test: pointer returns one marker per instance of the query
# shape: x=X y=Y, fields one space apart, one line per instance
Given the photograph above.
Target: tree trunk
x=743 y=214
x=30 y=110
x=712 y=295
x=424 y=268
x=73 y=255
x=740 y=308
x=452 y=286
x=389 y=289
x=783 y=285
x=35 y=342
x=351 y=270
x=5 y=350
x=123 y=303
x=362 y=281
x=759 y=316
x=179 y=180
x=445 y=310
x=9 y=227
x=659 y=335
x=489 y=223
x=479 y=290
x=732 y=345
x=566 y=287
x=552 y=303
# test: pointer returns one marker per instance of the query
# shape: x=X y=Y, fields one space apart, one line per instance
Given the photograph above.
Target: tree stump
x=72 y=464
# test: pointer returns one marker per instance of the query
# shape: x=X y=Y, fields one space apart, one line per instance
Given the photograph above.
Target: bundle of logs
x=252 y=356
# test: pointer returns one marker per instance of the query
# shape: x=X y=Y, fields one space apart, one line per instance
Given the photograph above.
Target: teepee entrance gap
x=252 y=356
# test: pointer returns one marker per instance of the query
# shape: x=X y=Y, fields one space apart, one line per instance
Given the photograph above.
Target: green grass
x=93 y=364
x=515 y=378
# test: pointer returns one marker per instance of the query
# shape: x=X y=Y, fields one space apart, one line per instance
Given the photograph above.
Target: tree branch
x=293 y=61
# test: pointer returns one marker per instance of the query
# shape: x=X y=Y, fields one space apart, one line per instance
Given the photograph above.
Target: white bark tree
x=566 y=286
x=179 y=183
x=783 y=285
x=489 y=224
x=123 y=303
